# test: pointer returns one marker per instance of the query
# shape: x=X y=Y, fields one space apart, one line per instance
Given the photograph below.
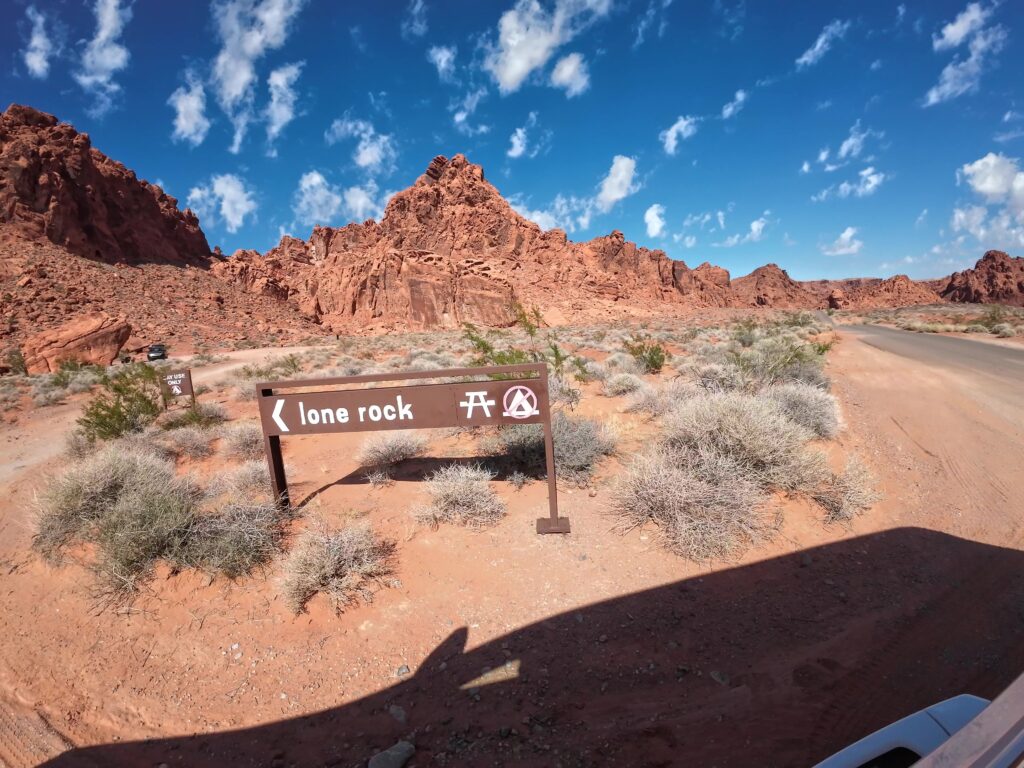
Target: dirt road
x=593 y=649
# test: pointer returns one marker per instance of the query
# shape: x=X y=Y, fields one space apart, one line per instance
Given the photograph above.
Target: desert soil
x=502 y=647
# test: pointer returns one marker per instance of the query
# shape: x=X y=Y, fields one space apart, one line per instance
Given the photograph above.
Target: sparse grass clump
x=808 y=406
x=766 y=445
x=201 y=415
x=700 y=514
x=344 y=564
x=386 y=449
x=461 y=494
x=621 y=384
x=242 y=441
x=1004 y=330
x=844 y=496
x=191 y=442
x=650 y=355
x=136 y=511
x=579 y=445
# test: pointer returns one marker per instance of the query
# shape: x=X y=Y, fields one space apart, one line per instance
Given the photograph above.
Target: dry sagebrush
x=461 y=494
x=344 y=564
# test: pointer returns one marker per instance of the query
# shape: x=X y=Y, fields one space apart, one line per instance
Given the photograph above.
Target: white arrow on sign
x=276 y=416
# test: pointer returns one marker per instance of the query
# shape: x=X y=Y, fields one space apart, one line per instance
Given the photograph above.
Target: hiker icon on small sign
x=177 y=384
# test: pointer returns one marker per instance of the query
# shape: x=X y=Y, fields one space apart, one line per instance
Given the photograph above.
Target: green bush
x=130 y=400
x=16 y=362
x=200 y=415
x=649 y=355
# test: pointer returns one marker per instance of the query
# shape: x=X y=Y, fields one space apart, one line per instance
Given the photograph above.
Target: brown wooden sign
x=177 y=384
x=477 y=403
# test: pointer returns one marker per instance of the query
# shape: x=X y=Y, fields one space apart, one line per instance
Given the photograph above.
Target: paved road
x=977 y=357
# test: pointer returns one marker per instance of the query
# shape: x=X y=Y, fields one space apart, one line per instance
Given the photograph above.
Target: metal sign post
x=177 y=384
x=418 y=406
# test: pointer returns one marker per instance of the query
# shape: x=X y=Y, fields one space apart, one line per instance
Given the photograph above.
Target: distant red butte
x=81 y=234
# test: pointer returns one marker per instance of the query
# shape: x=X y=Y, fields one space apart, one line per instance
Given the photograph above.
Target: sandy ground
x=503 y=647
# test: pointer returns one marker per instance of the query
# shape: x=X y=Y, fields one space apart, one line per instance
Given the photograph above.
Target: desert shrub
x=976 y=328
x=72 y=503
x=199 y=415
x=233 y=540
x=16 y=362
x=386 y=449
x=286 y=365
x=1004 y=330
x=42 y=397
x=460 y=493
x=344 y=564
x=518 y=479
x=561 y=392
x=844 y=496
x=649 y=355
x=77 y=445
x=248 y=480
x=746 y=332
x=621 y=384
x=621 y=362
x=242 y=441
x=753 y=432
x=130 y=400
x=579 y=445
x=701 y=512
x=659 y=400
x=716 y=377
x=776 y=359
x=808 y=406
x=379 y=478
x=191 y=442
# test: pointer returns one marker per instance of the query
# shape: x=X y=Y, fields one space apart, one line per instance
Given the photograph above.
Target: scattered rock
x=94 y=339
x=402 y=671
x=398 y=713
x=394 y=757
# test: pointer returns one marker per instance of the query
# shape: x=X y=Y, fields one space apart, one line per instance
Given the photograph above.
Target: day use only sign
x=476 y=403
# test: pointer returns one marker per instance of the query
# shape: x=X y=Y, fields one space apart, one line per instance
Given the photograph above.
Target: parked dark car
x=156 y=352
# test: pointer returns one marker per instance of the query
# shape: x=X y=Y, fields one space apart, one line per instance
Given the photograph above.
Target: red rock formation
x=997 y=278
x=771 y=286
x=896 y=291
x=94 y=338
x=54 y=185
x=837 y=299
x=450 y=249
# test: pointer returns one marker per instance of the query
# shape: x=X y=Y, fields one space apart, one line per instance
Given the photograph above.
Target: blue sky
x=836 y=139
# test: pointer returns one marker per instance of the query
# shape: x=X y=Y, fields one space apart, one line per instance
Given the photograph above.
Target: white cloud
x=846 y=244
x=683 y=128
x=876 y=65
x=226 y=197
x=867 y=183
x=805 y=167
x=654 y=218
x=567 y=213
x=968 y=21
x=733 y=107
x=40 y=45
x=834 y=30
x=281 y=109
x=104 y=56
x=853 y=144
x=921 y=219
x=687 y=241
x=655 y=14
x=247 y=30
x=970 y=219
x=618 y=184
x=316 y=201
x=823 y=155
x=961 y=75
x=189 y=102
x=519 y=142
x=999 y=180
x=571 y=73
x=374 y=152
x=415 y=22
x=529 y=35
x=753 y=235
x=443 y=59
x=464 y=109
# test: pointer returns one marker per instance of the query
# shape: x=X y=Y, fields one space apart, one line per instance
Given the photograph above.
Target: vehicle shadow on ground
x=777 y=663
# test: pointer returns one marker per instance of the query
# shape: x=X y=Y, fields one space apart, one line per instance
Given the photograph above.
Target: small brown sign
x=419 y=406
x=177 y=383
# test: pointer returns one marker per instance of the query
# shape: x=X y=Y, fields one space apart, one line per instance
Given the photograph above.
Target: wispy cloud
x=846 y=244
x=189 y=102
x=104 y=55
x=40 y=47
x=833 y=31
x=684 y=127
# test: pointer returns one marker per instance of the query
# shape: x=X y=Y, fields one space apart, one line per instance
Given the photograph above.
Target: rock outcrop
x=997 y=278
x=55 y=186
x=94 y=338
x=896 y=291
x=771 y=286
x=450 y=249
